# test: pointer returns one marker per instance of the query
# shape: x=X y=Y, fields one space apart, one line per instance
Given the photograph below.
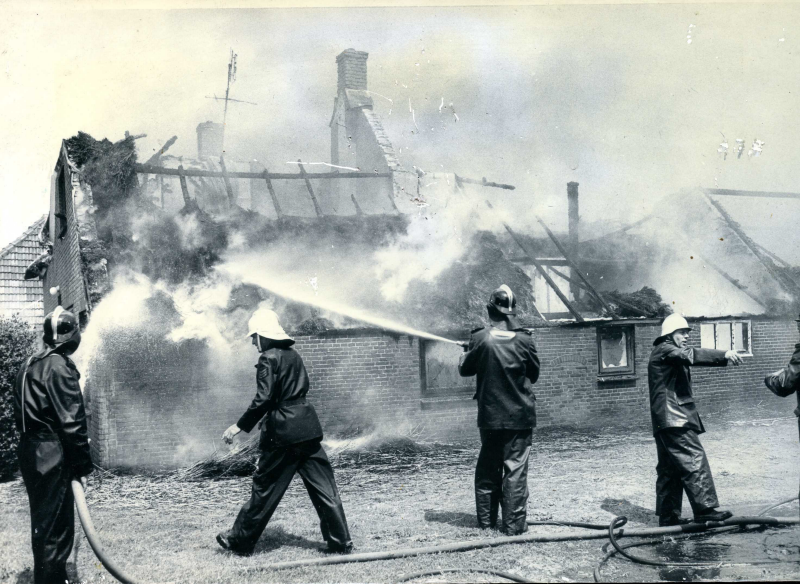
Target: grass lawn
x=162 y=530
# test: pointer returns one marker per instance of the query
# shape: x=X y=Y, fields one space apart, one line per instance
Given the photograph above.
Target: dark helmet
x=61 y=328
x=503 y=301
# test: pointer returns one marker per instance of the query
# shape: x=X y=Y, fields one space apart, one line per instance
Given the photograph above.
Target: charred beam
x=357 y=206
x=581 y=284
x=532 y=256
x=154 y=158
x=575 y=268
x=759 y=194
x=310 y=190
x=184 y=188
x=484 y=183
x=149 y=169
x=226 y=178
x=272 y=194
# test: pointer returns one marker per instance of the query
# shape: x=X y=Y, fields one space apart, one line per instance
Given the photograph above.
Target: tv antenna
x=228 y=98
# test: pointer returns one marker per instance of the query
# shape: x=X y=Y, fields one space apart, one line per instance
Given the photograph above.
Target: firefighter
x=682 y=462
x=54 y=443
x=290 y=443
x=503 y=357
x=786 y=381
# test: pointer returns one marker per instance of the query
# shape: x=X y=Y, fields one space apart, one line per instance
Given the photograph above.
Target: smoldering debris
x=646 y=300
x=374 y=453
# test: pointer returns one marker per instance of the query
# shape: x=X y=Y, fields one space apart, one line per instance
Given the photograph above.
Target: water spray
x=296 y=294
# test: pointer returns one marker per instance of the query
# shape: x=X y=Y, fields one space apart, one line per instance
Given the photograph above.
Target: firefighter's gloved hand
x=84 y=480
x=733 y=357
x=464 y=345
x=229 y=434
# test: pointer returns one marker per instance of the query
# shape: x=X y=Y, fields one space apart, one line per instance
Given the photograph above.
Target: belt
x=41 y=434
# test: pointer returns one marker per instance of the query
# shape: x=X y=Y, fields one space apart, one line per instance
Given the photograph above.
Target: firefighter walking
x=504 y=359
x=682 y=462
x=290 y=443
x=54 y=443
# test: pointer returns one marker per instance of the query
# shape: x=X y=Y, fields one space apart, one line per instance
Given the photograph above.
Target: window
x=726 y=336
x=615 y=350
x=439 y=370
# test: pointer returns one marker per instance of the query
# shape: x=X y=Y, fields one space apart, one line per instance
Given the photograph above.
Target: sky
x=616 y=98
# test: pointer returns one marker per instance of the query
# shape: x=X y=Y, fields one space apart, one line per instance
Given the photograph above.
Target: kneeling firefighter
x=290 y=443
x=682 y=462
x=504 y=359
x=54 y=443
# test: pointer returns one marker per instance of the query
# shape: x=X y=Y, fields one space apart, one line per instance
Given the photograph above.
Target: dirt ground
x=163 y=530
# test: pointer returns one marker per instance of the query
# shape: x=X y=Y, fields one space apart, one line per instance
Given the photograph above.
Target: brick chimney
x=352 y=67
x=209 y=140
x=574 y=230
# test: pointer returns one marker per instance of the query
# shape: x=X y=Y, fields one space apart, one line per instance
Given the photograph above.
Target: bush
x=17 y=342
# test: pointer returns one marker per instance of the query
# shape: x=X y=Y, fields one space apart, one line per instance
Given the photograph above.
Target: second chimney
x=352 y=67
x=574 y=231
x=209 y=140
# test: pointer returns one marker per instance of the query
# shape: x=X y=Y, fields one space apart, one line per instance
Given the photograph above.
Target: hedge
x=17 y=343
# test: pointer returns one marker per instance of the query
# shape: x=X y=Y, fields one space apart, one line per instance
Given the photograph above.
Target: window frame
x=630 y=348
x=468 y=390
x=748 y=352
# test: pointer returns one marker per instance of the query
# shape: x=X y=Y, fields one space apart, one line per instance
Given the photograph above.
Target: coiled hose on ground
x=618 y=548
x=591 y=531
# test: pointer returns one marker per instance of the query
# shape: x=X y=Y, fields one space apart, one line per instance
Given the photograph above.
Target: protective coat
x=290 y=443
x=670 y=380
x=53 y=449
x=506 y=364
x=281 y=388
x=786 y=381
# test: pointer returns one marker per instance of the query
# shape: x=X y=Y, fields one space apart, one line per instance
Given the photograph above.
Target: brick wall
x=155 y=403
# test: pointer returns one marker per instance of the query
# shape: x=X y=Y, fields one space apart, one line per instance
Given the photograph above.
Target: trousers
x=501 y=479
x=272 y=477
x=47 y=480
x=682 y=466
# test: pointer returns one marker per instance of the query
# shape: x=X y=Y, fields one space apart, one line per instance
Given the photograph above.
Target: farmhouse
x=161 y=399
x=19 y=295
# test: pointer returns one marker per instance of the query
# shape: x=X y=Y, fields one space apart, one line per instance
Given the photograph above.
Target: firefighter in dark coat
x=54 y=443
x=682 y=462
x=786 y=381
x=290 y=443
x=504 y=359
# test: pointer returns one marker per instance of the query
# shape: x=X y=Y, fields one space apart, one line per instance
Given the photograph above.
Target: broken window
x=615 y=350
x=439 y=370
x=725 y=336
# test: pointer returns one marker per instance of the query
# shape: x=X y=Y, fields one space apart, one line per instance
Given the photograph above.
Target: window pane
x=613 y=348
x=707 y=336
x=724 y=336
x=441 y=368
x=741 y=335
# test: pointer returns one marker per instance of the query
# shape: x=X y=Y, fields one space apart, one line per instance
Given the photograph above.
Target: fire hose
x=94 y=540
x=590 y=531
x=618 y=548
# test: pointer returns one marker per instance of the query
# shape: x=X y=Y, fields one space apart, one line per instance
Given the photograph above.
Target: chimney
x=574 y=230
x=209 y=140
x=352 y=67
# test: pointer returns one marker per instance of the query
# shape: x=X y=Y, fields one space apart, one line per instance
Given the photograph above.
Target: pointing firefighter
x=682 y=462
x=54 y=443
x=503 y=357
x=290 y=443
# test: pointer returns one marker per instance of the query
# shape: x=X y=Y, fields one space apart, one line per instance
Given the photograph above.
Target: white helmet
x=674 y=322
x=264 y=322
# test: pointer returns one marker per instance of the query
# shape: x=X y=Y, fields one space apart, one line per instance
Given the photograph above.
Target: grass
x=160 y=529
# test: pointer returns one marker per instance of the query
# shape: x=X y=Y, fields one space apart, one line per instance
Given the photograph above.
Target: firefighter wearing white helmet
x=290 y=443
x=682 y=462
